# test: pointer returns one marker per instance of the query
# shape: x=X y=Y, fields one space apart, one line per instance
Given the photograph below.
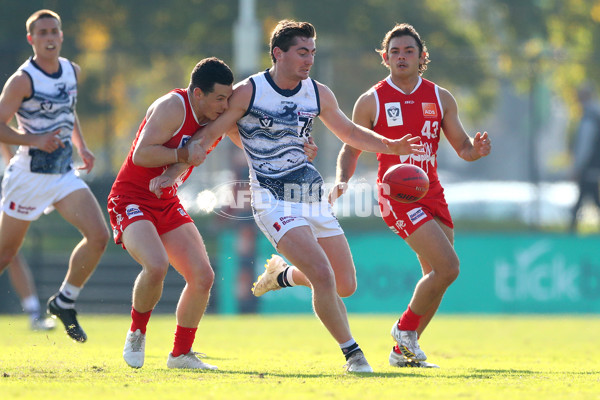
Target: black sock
x=282 y=279
x=348 y=351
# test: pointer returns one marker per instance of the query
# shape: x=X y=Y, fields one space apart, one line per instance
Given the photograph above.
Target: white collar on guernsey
x=389 y=81
x=193 y=112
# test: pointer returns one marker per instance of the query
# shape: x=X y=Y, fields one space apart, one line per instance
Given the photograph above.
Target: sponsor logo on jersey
x=266 y=121
x=429 y=110
x=393 y=229
x=286 y=220
x=46 y=105
x=12 y=205
x=393 y=114
x=182 y=211
x=133 y=210
x=416 y=214
x=409 y=102
x=23 y=209
x=401 y=224
x=277 y=226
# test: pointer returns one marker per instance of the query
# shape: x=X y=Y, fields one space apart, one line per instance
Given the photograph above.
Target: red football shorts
x=165 y=215
x=403 y=219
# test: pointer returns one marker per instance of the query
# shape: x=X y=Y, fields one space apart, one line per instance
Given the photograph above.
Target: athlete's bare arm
x=16 y=89
x=199 y=144
x=163 y=118
x=363 y=115
x=84 y=152
x=203 y=140
x=360 y=137
x=468 y=148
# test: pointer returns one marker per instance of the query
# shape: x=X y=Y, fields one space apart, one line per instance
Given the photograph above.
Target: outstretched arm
x=203 y=139
x=358 y=136
x=197 y=147
x=467 y=148
x=363 y=115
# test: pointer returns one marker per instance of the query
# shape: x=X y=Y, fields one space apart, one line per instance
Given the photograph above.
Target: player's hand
x=482 y=144
x=48 y=142
x=159 y=183
x=311 y=149
x=88 y=159
x=196 y=153
x=336 y=191
x=406 y=145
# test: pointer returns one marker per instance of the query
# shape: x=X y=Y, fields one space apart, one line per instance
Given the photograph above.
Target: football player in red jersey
x=405 y=103
x=157 y=231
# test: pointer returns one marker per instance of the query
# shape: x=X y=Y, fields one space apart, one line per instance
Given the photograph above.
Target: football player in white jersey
x=303 y=229
x=40 y=177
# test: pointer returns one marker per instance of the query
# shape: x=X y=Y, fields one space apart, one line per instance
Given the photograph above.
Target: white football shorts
x=276 y=217
x=26 y=195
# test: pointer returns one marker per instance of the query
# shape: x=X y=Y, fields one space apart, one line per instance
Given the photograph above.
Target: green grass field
x=292 y=357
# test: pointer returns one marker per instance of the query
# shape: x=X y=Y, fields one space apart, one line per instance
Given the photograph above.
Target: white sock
x=347 y=344
x=289 y=275
x=31 y=305
x=70 y=293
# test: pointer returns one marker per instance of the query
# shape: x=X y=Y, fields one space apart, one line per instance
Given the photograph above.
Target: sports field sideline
x=292 y=357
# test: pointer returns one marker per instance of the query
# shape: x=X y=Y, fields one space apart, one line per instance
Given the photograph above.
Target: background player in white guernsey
x=404 y=103
x=22 y=280
x=274 y=111
x=42 y=94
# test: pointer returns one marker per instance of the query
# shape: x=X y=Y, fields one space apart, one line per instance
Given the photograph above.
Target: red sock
x=184 y=338
x=139 y=320
x=409 y=321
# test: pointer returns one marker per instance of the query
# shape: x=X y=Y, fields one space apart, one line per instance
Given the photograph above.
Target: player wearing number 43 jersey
x=405 y=103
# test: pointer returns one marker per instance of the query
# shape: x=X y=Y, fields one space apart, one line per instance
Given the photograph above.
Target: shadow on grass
x=403 y=373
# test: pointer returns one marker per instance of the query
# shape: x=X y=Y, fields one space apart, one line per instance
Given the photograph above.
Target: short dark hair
x=29 y=25
x=405 y=30
x=285 y=33
x=208 y=72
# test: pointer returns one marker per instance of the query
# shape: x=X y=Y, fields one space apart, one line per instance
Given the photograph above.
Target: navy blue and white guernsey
x=51 y=106
x=273 y=131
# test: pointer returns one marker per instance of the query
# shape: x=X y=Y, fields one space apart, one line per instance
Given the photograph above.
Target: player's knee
x=203 y=281
x=156 y=273
x=98 y=239
x=101 y=238
x=450 y=272
x=5 y=258
x=346 y=287
x=323 y=277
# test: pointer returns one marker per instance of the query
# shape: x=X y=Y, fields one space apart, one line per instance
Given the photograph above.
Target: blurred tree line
x=131 y=52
